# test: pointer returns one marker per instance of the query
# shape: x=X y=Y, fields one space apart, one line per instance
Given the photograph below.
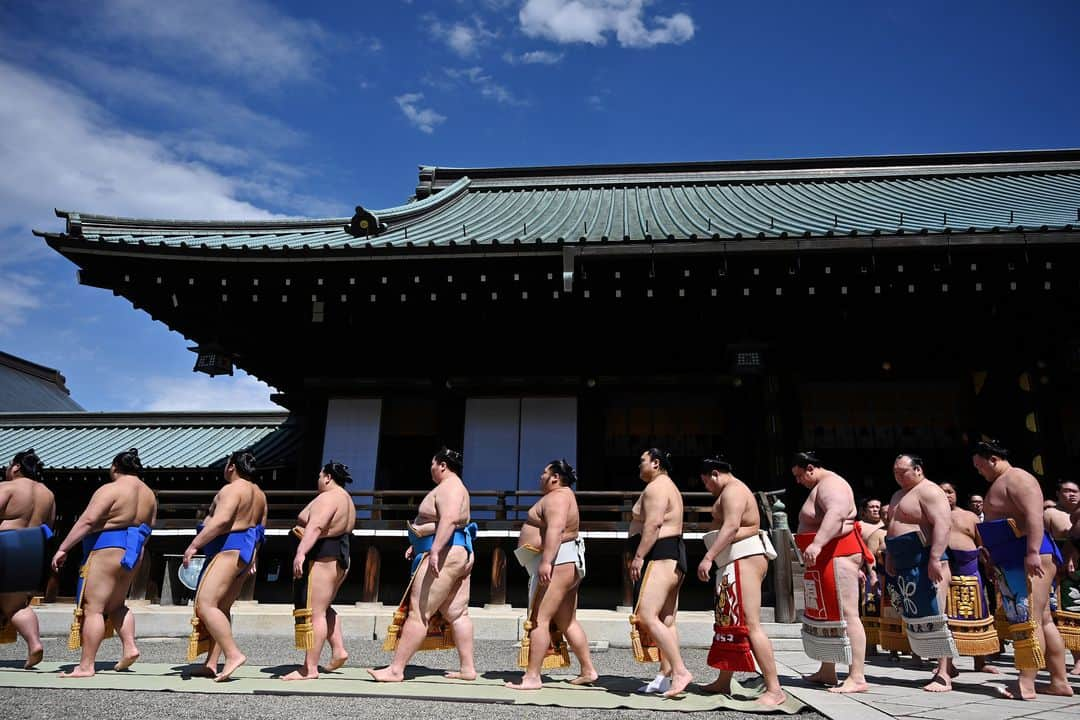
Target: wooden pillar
x=372 y=570
x=498 y=576
x=627 y=583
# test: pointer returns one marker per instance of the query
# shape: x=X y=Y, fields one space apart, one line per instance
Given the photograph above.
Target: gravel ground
x=57 y=704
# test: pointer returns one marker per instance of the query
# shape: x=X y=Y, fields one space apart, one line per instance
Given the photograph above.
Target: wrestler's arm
x=320 y=516
x=92 y=518
x=556 y=511
x=5 y=499
x=226 y=504
x=653 y=505
x=831 y=505
x=731 y=512
x=448 y=507
x=935 y=506
x=1027 y=496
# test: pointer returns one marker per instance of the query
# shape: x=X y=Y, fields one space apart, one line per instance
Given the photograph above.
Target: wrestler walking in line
x=1015 y=495
x=441 y=582
x=741 y=553
x=659 y=556
x=320 y=565
x=25 y=502
x=552 y=525
x=835 y=548
x=920 y=524
x=230 y=537
x=113 y=530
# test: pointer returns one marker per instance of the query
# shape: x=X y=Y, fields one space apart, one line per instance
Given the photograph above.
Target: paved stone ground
x=59 y=704
x=896 y=692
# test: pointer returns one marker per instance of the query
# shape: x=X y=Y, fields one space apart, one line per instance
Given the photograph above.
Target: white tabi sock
x=660 y=684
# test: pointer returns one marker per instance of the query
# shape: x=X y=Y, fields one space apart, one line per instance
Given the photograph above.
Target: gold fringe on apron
x=645 y=648
x=440 y=634
x=75 y=634
x=200 y=638
x=558 y=654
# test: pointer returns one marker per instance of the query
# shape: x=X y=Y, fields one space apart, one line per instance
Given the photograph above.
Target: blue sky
x=253 y=108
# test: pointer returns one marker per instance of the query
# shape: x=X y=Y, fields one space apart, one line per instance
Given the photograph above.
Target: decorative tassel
x=440 y=635
x=526 y=644
x=394 y=631
x=644 y=650
x=870 y=625
x=1027 y=653
x=75 y=634
x=304 y=632
x=558 y=654
x=197 y=645
x=110 y=629
x=8 y=634
x=1069 y=627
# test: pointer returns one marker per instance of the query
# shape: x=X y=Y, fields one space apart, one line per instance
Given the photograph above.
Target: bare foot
x=336 y=662
x=724 y=688
x=230 y=667
x=850 y=686
x=301 y=673
x=461 y=675
x=772 y=699
x=127 y=661
x=938 y=684
x=203 y=671
x=679 y=681
x=33 y=658
x=527 y=683
x=386 y=675
x=1076 y=668
x=1056 y=688
x=822 y=678
x=78 y=672
x=585 y=679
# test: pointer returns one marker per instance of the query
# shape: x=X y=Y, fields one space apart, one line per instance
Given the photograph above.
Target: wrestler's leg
x=217 y=587
x=547 y=601
x=323 y=585
x=941 y=680
x=752 y=572
x=123 y=620
x=338 y=654
x=656 y=608
x=847 y=587
x=566 y=620
x=456 y=611
x=1049 y=637
x=97 y=590
x=427 y=594
x=16 y=607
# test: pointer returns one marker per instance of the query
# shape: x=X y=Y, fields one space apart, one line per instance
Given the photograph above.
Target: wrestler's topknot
x=29 y=464
x=564 y=470
x=128 y=462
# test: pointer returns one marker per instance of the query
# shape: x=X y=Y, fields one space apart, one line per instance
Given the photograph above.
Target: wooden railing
x=600 y=510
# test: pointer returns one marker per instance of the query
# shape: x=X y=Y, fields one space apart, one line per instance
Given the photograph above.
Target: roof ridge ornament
x=364 y=223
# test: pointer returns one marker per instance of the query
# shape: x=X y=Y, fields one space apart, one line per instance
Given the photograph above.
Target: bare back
x=338 y=504
x=244 y=501
x=736 y=499
x=831 y=492
x=1009 y=496
x=1057 y=522
x=964 y=534
x=26 y=503
x=661 y=493
x=126 y=501
x=438 y=500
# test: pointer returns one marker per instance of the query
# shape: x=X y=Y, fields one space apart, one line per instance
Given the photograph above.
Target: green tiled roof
x=89 y=441
x=989 y=192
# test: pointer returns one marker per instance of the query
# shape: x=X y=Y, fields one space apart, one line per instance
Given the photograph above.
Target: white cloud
x=463 y=38
x=590 y=21
x=201 y=392
x=534 y=57
x=425 y=119
x=78 y=159
x=486 y=85
x=245 y=38
x=18 y=297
